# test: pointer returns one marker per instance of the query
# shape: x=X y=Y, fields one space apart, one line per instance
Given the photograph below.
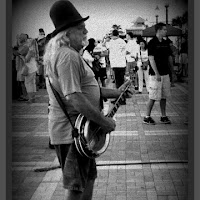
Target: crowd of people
x=114 y=55
x=78 y=68
x=27 y=66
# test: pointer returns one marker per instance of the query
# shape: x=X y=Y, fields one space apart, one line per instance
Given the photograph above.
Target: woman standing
x=143 y=66
x=131 y=58
x=31 y=62
x=20 y=52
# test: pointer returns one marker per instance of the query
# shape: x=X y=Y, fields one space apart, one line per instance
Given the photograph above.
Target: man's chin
x=85 y=42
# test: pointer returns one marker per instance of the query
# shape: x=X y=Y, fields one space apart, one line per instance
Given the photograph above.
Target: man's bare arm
x=115 y=93
x=83 y=106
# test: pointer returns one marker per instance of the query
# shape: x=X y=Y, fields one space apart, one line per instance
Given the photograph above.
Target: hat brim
x=68 y=25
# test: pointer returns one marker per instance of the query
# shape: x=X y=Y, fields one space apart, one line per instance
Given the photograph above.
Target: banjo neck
x=114 y=109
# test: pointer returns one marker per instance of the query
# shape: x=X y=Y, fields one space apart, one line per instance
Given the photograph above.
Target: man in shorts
x=74 y=80
x=160 y=57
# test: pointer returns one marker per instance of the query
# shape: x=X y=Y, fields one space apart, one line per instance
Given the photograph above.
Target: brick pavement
x=142 y=162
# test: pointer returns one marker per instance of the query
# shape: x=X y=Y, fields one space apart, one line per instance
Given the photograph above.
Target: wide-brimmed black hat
x=64 y=15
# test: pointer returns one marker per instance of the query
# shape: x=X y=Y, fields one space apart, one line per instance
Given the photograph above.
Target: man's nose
x=85 y=31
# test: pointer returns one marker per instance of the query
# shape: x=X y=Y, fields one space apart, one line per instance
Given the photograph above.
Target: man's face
x=163 y=31
x=22 y=38
x=78 y=36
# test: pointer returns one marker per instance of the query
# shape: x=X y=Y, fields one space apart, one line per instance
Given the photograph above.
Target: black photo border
x=6 y=111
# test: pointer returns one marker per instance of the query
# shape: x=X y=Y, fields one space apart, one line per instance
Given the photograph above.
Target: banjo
x=90 y=140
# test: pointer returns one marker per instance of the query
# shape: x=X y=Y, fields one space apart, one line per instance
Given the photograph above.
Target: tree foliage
x=180 y=20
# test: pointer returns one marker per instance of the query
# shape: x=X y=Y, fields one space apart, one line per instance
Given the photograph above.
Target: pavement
x=142 y=162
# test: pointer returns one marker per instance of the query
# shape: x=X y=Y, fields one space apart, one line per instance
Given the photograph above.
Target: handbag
x=144 y=63
x=24 y=71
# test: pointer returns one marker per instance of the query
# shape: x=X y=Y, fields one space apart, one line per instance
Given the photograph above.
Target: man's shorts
x=77 y=170
x=159 y=89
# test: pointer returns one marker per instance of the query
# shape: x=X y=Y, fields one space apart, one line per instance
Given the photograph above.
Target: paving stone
x=132 y=142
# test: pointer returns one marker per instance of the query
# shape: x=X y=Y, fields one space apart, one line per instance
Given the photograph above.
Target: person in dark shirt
x=160 y=57
x=41 y=41
x=174 y=50
x=183 y=58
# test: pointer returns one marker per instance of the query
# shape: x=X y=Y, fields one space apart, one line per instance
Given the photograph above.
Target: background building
x=137 y=27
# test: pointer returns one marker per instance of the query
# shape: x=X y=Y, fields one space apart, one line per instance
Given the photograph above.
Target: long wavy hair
x=61 y=39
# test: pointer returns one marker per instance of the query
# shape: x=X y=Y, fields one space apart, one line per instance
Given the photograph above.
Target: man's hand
x=109 y=125
x=122 y=88
x=158 y=77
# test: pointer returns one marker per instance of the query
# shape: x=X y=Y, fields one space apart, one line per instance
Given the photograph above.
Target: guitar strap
x=141 y=56
x=101 y=98
x=60 y=102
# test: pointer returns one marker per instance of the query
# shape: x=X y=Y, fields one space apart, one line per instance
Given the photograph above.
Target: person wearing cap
x=75 y=82
x=41 y=41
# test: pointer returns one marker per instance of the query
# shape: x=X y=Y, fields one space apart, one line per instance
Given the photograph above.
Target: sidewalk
x=142 y=162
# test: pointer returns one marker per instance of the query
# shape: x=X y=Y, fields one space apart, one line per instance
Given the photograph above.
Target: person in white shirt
x=105 y=42
x=131 y=58
x=117 y=57
x=143 y=66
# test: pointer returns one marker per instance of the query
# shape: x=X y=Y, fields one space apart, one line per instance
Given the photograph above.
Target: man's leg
x=165 y=93
x=150 y=105
x=140 y=79
x=88 y=192
x=127 y=69
x=136 y=80
x=164 y=119
x=147 y=118
x=146 y=77
x=77 y=195
x=23 y=89
x=163 y=107
x=121 y=81
x=72 y=195
x=117 y=77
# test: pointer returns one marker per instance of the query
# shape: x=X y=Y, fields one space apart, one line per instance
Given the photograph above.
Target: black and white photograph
x=102 y=100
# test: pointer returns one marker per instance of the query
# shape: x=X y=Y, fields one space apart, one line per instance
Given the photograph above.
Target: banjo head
x=91 y=141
